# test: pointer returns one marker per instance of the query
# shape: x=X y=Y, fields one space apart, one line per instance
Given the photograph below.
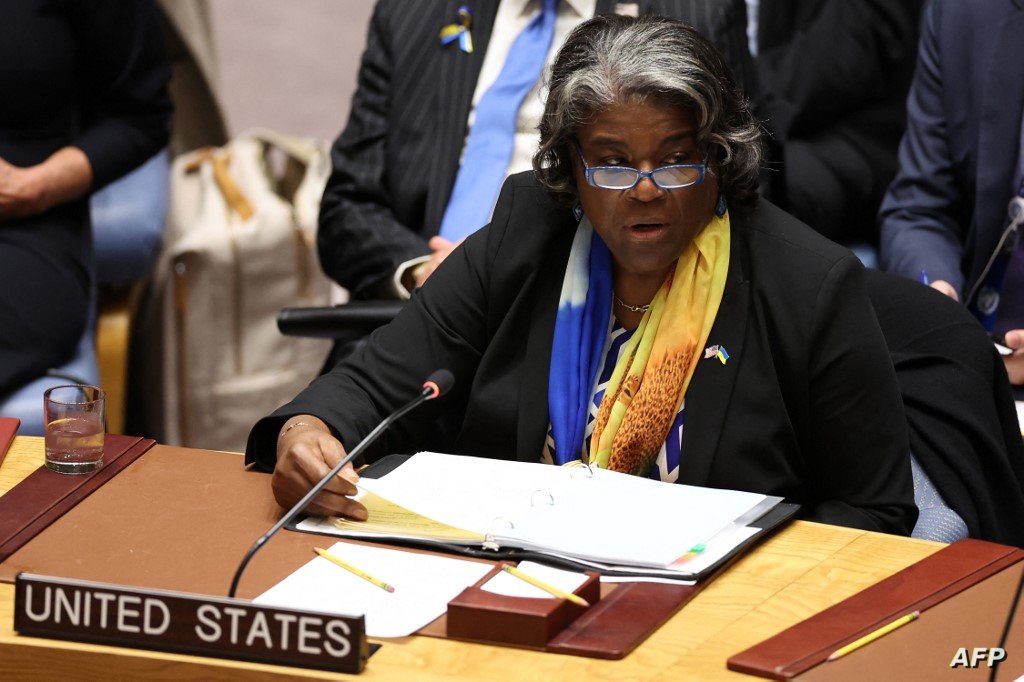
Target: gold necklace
x=632 y=308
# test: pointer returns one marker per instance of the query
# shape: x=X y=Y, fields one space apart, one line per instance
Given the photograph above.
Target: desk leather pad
x=955 y=574
x=8 y=430
x=126 y=535
x=45 y=496
x=924 y=649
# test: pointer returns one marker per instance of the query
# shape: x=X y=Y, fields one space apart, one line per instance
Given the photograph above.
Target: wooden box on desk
x=483 y=616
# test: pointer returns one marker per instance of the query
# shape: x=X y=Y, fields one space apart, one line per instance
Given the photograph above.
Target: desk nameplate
x=102 y=613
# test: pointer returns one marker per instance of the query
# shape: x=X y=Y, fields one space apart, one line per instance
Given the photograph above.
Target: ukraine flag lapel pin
x=716 y=351
x=459 y=31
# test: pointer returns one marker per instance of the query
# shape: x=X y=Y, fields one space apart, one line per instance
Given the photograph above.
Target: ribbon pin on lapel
x=459 y=31
x=716 y=351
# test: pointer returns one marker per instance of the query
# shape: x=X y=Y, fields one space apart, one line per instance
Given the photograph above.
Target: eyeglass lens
x=623 y=178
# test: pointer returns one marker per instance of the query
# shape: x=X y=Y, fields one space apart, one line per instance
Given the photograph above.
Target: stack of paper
x=598 y=518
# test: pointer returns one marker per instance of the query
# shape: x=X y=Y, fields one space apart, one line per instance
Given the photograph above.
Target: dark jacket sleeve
x=125 y=112
x=924 y=215
x=859 y=445
x=361 y=241
x=444 y=326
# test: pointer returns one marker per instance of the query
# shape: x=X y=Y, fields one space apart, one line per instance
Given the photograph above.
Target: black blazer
x=807 y=406
x=396 y=160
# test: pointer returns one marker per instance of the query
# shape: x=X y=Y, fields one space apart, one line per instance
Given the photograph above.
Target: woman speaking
x=632 y=304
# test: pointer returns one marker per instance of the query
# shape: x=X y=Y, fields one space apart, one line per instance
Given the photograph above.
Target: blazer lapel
x=707 y=398
x=457 y=82
x=533 y=418
x=1000 y=127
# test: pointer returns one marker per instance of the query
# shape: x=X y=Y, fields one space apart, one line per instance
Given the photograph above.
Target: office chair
x=967 y=454
x=348 y=324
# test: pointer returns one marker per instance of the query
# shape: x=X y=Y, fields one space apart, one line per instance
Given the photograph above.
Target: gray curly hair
x=611 y=59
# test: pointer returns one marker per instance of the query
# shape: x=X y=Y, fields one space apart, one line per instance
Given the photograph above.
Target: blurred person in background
x=85 y=101
x=438 y=123
x=833 y=77
x=952 y=215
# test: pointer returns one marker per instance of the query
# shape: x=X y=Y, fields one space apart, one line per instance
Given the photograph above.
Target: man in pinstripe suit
x=396 y=161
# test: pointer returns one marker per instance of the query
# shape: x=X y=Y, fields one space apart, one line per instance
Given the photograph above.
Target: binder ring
x=490 y=541
x=542 y=497
x=502 y=523
x=579 y=469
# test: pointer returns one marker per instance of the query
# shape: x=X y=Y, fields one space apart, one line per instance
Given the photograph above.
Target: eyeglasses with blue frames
x=675 y=176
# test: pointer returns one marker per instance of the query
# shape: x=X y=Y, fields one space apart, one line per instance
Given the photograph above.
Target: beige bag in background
x=208 y=360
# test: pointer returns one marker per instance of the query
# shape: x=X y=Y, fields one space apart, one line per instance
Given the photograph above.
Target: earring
x=721 y=207
x=577 y=211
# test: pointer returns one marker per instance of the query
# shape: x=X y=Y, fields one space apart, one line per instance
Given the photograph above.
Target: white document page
x=509 y=585
x=607 y=516
x=472 y=493
x=623 y=519
x=424 y=585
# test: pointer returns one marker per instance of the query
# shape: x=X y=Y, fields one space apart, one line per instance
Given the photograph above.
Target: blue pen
x=924 y=278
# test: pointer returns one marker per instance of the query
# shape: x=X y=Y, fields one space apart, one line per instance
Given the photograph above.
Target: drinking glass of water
x=74 y=428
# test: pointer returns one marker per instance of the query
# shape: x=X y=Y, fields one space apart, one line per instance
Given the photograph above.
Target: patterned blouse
x=666 y=466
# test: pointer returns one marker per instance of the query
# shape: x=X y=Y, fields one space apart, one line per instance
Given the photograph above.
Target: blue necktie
x=489 y=147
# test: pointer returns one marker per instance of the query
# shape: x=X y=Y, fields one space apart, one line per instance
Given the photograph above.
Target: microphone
x=436 y=385
x=440 y=382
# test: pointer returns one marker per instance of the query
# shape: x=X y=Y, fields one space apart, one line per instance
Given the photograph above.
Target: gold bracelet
x=292 y=426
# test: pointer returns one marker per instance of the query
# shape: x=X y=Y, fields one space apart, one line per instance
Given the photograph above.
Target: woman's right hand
x=21 y=193
x=66 y=175
x=306 y=451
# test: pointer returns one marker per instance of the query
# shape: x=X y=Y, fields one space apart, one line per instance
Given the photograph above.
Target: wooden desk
x=800 y=571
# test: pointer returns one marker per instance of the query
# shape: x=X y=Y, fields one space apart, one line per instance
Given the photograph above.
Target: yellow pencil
x=352 y=569
x=551 y=589
x=870 y=637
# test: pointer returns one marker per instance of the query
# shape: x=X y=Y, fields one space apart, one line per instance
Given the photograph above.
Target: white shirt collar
x=583 y=8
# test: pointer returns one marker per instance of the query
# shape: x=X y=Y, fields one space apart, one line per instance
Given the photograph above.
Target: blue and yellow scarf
x=654 y=371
